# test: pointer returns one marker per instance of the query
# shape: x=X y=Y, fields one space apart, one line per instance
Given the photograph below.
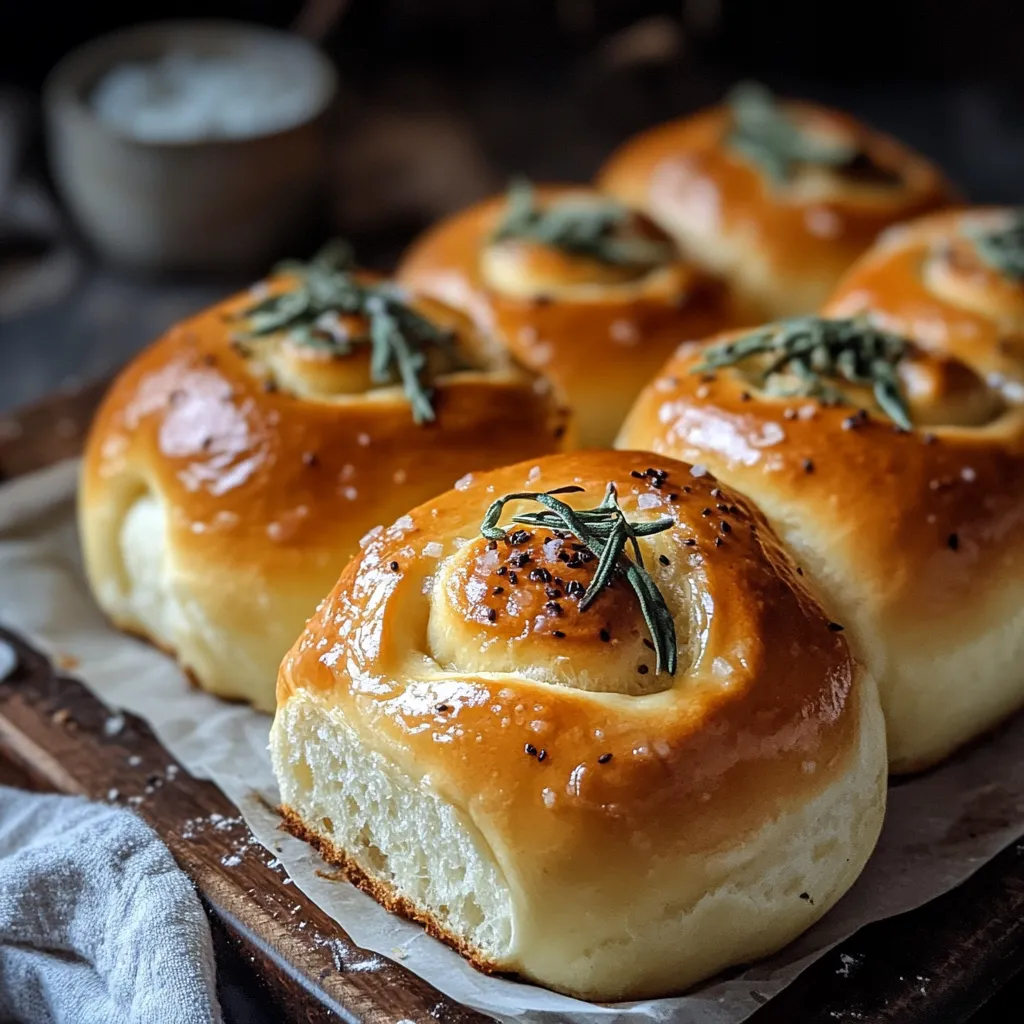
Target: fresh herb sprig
x=765 y=133
x=327 y=287
x=1003 y=248
x=816 y=350
x=605 y=531
x=584 y=226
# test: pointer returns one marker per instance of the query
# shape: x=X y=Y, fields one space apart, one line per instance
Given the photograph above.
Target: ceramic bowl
x=227 y=203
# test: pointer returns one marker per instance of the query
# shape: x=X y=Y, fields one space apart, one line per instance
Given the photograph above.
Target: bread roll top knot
x=952 y=282
x=571 y=245
x=531 y=601
x=850 y=362
x=808 y=152
x=324 y=329
x=981 y=268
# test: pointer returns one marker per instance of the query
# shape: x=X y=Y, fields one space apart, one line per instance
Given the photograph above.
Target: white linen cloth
x=98 y=925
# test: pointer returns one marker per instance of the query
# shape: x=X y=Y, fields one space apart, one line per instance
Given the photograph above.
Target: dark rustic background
x=442 y=99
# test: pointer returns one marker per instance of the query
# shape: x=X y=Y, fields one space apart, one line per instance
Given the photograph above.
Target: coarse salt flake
x=370 y=536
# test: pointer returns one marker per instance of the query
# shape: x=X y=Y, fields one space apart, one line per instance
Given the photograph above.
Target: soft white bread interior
x=684 y=920
x=610 y=841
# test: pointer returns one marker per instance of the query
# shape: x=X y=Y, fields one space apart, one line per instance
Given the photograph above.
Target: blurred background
x=437 y=103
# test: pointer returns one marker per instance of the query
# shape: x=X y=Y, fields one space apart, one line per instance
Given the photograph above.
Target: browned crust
x=384 y=892
x=193 y=680
x=144 y=635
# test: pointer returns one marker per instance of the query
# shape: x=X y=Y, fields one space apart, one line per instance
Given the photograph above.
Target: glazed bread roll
x=915 y=537
x=234 y=465
x=611 y=780
x=579 y=288
x=954 y=282
x=779 y=198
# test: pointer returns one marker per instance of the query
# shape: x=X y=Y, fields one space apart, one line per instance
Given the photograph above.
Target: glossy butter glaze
x=270 y=460
x=926 y=280
x=764 y=680
x=782 y=246
x=597 y=333
x=915 y=538
x=643 y=837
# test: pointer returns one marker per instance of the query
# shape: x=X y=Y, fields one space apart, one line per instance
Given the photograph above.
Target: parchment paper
x=939 y=828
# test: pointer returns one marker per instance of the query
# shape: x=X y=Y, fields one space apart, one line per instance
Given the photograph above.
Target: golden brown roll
x=914 y=537
x=611 y=780
x=578 y=288
x=779 y=198
x=954 y=282
x=235 y=464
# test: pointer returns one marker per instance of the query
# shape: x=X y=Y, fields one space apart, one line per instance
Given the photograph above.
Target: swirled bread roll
x=612 y=782
x=234 y=464
x=579 y=288
x=914 y=537
x=952 y=281
x=779 y=198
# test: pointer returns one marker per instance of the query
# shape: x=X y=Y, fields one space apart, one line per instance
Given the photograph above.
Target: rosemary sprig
x=1003 y=248
x=605 y=531
x=813 y=350
x=582 y=226
x=763 y=132
x=327 y=287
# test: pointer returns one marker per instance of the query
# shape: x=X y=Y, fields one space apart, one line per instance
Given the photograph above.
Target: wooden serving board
x=938 y=964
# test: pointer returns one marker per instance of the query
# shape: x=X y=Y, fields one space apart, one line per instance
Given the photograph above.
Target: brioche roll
x=776 y=197
x=610 y=798
x=234 y=465
x=954 y=282
x=914 y=537
x=590 y=294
